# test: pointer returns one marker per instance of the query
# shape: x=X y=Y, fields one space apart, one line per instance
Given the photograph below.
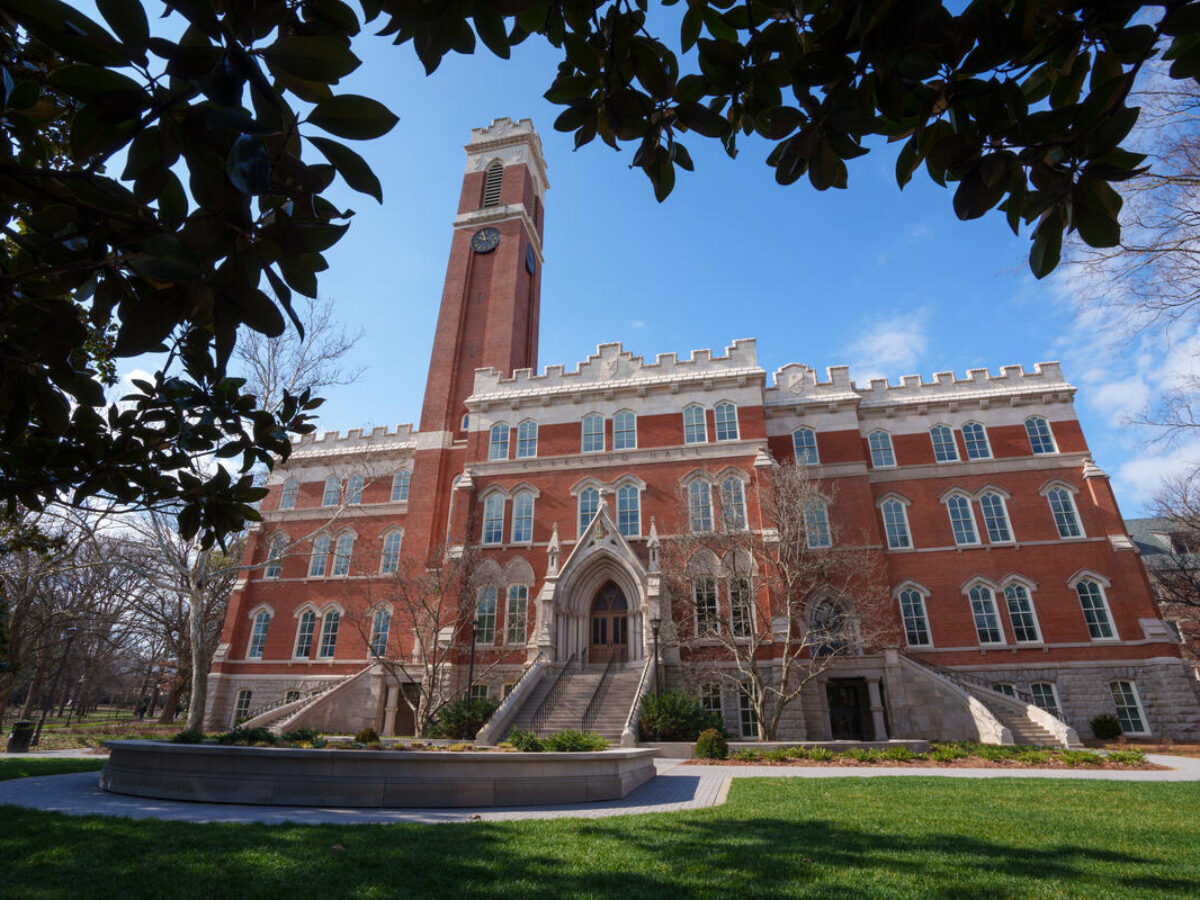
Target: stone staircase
x=1024 y=730
x=603 y=695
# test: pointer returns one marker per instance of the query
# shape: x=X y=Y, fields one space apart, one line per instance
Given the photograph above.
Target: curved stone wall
x=270 y=776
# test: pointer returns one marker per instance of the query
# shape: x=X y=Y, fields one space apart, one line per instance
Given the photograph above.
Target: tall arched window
x=400 y=483
x=976 y=441
x=493 y=519
x=1095 y=610
x=1021 y=615
x=625 y=431
x=275 y=555
x=342 y=552
x=895 y=524
x=527 y=439
x=733 y=504
x=962 y=520
x=291 y=490
x=304 y=633
x=725 y=421
x=390 y=561
x=804 y=445
x=741 y=606
x=695 y=430
x=833 y=630
x=816 y=524
x=995 y=517
x=329 y=633
x=333 y=491
x=589 y=505
x=916 y=623
x=704 y=601
x=1041 y=439
x=320 y=556
x=882 y=455
x=629 y=510
x=592 y=440
x=381 y=624
x=1066 y=518
x=485 y=615
x=493 y=180
x=258 y=635
x=1129 y=707
x=516 y=614
x=700 y=517
x=522 y=518
x=987 y=619
x=944 y=448
x=498 y=441
x=354 y=489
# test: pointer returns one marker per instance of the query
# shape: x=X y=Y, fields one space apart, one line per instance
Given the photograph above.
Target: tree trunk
x=170 y=705
x=200 y=665
x=35 y=687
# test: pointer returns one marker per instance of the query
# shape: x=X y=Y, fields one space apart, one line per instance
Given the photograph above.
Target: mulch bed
x=970 y=762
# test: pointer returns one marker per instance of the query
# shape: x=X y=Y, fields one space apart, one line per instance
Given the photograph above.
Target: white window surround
x=733 y=503
x=945 y=448
x=629 y=509
x=993 y=506
x=319 y=561
x=976 y=440
x=588 y=503
x=1128 y=703
x=389 y=558
x=275 y=552
x=700 y=504
x=527 y=439
x=962 y=518
x=1060 y=495
x=261 y=623
x=816 y=523
x=333 y=491
x=725 y=421
x=400 y=485
x=985 y=613
x=354 y=489
x=522 y=517
x=883 y=453
x=498 y=436
x=1041 y=436
x=1093 y=601
x=625 y=430
x=493 y=181
x=706 y=605
x=1022 y=613
x=381 y=625
x=492 y=532
x=516 y=614
x=343 y=552
x=291 y=491
x=306 y=626
x=804 y=446
x=894 y=510
x=1045 y=696
x=913 y=613
x=330 y=625
x=695 y=425
x=591 y=431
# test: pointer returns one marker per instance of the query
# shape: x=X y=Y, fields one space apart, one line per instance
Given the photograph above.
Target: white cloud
x=918 y=232
x=637 y=323
x=890 y=347
x=1140 y=479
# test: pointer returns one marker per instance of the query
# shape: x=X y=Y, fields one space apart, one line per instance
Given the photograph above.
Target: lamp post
x=470 y=680
x=655 y=625
x=70 y=631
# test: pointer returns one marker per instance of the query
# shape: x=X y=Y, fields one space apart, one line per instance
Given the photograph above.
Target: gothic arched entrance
x=610 y=626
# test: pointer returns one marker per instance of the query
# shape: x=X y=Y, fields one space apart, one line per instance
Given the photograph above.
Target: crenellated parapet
x=613 y=369
x=1013 y=384
x=354 y=441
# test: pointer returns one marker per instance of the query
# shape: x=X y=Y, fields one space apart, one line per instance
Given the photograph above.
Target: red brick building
x=1019 y=606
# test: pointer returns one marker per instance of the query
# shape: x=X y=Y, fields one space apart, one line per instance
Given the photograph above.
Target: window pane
x=380 y=626
x=329 y=633
x=1129 y=710
x=1020 y=613
x=725 y=420
x=747 y=718
x=995 y=517
x=485 y=616
x=880 y=443
x=1095 y=610
x=593 y=433
x=320 y=555
x=493 y=519
x=522 y=517
x=516 y=614
x=916 y=626
x=304 y=633
x=291 y=490
x=498 y=442
x=895 y=525
x=710 y=697
x=333 y=491
x=258 y=637
x=342 y=553
x=624 y=431
x=700 y=506
x=400 y=483
x=944 y=449
x=987 y=621
x=1040 y=439
x=695 y=430
x=1062 y=505
x=1045 y=698
x=391 y=552
x=589 y=505
x=275 y=567
x=629 y=520
x=741 y=610
x=733 y=504
x=1004 y=688
x=816 y=523
x=962 y=521
x=804 y=444
x=975 y=438
x=241 y=710
x=704 y=595
x=527 y=440
x=354 y=489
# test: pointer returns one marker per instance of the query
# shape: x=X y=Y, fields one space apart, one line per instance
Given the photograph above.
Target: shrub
x=463 y=717
x=249 y=737
x=711 y=745
x=862 y=754
x=778 y=754
x=1032 y=756
x=1105 y=727
x=460 y=747
x=525 y=741
x=1075 y=758
x=821 y=754
x=573 y=741
x=948 y=752
x=675 y=716
x=900 y=753
x=1126 y=757
x=996 y=752
x=188 y=736
x=302 y=736
x=748 y=754
x=798 y=753
x=367 y=736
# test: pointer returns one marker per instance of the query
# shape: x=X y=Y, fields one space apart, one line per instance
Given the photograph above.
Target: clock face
x=485 y=240
x=530 y=259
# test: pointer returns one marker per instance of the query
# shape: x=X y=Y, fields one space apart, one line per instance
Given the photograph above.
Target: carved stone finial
x=553 y=549
x=653 y=544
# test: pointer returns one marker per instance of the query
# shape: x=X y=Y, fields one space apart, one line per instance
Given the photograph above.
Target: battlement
x=510 y=142
x=612 y=368
x=979 y=384
x=797 y=382
x=331 y=443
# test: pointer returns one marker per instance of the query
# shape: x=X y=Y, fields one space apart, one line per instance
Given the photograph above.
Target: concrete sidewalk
x=677 y=787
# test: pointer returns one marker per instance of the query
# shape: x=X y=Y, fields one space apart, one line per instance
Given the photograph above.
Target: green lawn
x=868 y=838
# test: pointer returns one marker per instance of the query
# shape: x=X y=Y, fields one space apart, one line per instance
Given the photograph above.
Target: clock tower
x=489 y=309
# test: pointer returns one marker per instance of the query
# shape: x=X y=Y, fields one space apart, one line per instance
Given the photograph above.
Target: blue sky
x=886 y=281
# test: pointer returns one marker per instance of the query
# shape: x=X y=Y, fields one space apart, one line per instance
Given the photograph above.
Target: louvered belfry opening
x=491 y=184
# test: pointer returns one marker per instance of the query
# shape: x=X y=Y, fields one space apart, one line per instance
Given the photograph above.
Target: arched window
x=485 y=615
x=695 y=429
x=624 y=431
x=516 y=614
x=466 y=421
x=493 y=519
x=733 y=504
x=1095 y=610
x=741 y=607
x=1007 y=688
x=492 y=180
x=833 y=630
x=1129 y=707
x=329 y=633
x=304 y=633
x=882 y=455
x=629 y=510
x=962 y=520
x=275 y=555
x=816 y=524
x=333 y=491
x=1021 y=615
x=987 y=619
x=700 y=517
x=522 y=519
x=320 y=556
x=400 y=483
x=390 y=560
x=895 y=524
x=704 y=600
x=944 y=448
x=589 y=505
x=804 y=445
x=976 y=441
x=354 y=489
x=725 y=421
x=381 y=623
x=291 y=490
x=498 y=441
x=995 y=517
x=1066 y=517
x=527 y=439
x=1045 y=696
x=342 y=552
x=916 y=622
x=593 y=433
x=1041 y=440
x=258 y=635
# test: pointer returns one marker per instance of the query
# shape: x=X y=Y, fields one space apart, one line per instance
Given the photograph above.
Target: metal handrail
x=593 y=707
x=283 y=701
x=551 y=698
x=964 y=680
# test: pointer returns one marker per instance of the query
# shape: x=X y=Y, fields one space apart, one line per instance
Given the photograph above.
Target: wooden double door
x=610 y=626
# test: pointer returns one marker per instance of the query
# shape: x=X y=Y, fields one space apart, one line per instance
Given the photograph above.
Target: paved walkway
x=677 y=787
